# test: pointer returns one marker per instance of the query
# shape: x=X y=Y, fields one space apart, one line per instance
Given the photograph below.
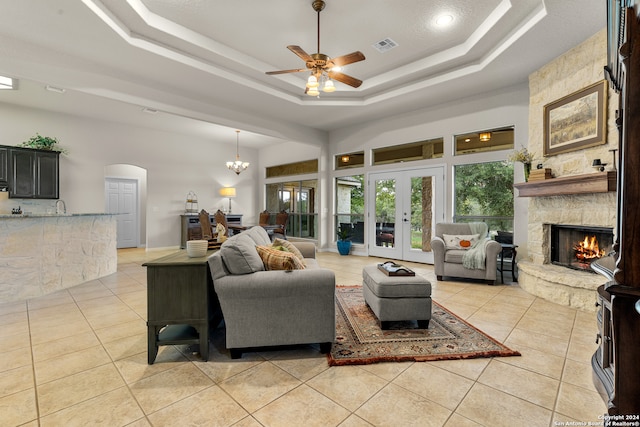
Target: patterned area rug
x=360 y=341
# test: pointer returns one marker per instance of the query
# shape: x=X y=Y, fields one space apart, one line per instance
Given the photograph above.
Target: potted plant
x=525 y=157
x=344 y=244
x=43 y=143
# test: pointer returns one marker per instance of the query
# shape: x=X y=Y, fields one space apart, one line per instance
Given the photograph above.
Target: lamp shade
x=228 y=192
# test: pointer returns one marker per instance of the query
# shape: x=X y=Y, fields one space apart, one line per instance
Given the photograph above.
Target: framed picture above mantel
x=576 y=121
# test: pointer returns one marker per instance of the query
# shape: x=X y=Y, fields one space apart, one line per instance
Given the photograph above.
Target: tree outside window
x=484 y=192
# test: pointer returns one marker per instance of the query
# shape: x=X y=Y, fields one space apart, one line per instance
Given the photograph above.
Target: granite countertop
x=45 y=215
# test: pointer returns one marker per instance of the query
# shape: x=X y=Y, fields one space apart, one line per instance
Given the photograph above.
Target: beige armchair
x=448 y=259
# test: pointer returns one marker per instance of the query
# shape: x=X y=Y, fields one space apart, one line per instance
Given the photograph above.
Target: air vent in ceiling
x=384 y=45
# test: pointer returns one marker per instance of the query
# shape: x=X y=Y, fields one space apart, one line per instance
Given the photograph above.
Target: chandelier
x=237 y=166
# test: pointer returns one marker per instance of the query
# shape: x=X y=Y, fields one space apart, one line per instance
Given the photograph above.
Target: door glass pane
x=304 y=218
x=350 y=206
x=422 y=212
x=298 y=199
x=385 y=214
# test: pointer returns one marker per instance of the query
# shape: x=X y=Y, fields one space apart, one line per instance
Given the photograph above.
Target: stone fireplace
x=573 y=285
x=578 y=195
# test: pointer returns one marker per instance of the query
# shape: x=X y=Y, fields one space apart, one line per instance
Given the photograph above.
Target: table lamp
x=228 y=192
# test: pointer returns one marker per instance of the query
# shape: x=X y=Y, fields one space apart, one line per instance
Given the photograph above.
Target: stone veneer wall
x=44 y=254
x=576 y=69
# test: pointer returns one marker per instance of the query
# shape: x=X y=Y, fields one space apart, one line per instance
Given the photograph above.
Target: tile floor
x=78 y=357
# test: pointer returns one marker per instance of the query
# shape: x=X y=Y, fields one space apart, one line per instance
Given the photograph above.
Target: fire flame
x=588 y=249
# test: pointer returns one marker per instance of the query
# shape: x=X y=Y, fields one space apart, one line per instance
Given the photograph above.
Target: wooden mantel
x=597 y=182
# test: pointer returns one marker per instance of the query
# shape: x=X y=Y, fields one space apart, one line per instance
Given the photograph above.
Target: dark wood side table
x=181 y=305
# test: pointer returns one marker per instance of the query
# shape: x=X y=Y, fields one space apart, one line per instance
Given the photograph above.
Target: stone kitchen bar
x=44 y=253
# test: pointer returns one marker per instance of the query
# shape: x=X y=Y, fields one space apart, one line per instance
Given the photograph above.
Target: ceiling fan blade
x=297 y=70
x=343 y=78
x=300 y=52
x=350 y=58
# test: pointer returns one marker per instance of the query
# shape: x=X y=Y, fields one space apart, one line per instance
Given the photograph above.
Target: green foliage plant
x=43 y=143
x=343 y=234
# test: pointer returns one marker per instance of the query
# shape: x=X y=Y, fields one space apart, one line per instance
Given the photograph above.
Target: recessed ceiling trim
x=173 y=29
x=151 y=46
x=447 y=55
x=530 y=22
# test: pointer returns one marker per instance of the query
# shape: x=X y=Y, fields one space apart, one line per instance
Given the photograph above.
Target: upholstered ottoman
x=397 y=298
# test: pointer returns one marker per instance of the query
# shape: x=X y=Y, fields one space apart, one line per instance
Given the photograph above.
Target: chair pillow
x=289 y=246
x=274 y=259
x=240 y=256
x=460 y=241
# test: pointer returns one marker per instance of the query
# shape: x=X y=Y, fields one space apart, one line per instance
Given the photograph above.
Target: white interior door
x=121 y=196
x=403 y=208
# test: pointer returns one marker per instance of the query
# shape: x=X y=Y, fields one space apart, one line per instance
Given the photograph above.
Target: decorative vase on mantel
x=527 y=171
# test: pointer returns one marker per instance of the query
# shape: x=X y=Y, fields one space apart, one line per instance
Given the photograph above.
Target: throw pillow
x=240 y=256
x=274 y=259
x=463 y=241
x=290 y=247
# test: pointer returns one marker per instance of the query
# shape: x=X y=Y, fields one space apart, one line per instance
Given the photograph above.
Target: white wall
x=175 y=164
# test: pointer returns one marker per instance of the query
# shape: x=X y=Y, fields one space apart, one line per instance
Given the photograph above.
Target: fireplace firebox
x=577 y=246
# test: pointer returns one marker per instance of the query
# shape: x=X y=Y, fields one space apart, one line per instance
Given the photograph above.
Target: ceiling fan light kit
x=323 y=68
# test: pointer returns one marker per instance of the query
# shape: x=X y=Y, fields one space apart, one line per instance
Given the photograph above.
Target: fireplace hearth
x=577 y=246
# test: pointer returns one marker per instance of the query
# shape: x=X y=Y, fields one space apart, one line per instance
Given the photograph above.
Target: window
x=298 y=198
x=484 y=192
x=350 y=160
x=486 y=140
x=350 y=206
x=298 y=168
x=428 y=149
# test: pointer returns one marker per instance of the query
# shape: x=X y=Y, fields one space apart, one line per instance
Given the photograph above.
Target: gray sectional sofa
x=272 y=308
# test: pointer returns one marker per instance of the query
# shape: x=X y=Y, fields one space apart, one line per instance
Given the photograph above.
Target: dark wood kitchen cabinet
x=33 y=174
x=47 y=182
x=4 y=166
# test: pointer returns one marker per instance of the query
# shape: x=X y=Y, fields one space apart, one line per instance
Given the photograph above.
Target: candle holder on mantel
x=191 y=205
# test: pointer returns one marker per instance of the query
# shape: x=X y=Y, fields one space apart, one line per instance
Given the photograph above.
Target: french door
x=403 y=208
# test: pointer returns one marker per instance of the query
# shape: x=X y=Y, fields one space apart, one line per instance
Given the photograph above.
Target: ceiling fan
x=322 y=67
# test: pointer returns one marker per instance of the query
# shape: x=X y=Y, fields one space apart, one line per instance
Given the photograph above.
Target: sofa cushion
x=454 y=256
x=289 y=247
x=259 y=235
x=275 y=259
x=240 y=255
x=460 y=241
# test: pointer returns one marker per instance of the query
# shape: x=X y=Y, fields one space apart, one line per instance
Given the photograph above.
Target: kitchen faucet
x=61 y=207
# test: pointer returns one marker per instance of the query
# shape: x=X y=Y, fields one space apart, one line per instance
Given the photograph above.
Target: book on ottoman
x=390 y=268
